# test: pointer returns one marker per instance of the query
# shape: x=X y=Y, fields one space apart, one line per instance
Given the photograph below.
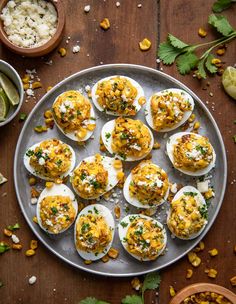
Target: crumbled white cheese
x=203 y=186
x=32 y=280
x=117 y=4
x=41 y=161
x=136 y=147
x=29 y=92
x=139 y=5
x=195 y=154
x=29 y=23
x=76 y=49
x=87 y=8
x=62 y=108
x=87 y=88
x=15 y=239
x=48 y=222
x=34 y=200
x=173 y=188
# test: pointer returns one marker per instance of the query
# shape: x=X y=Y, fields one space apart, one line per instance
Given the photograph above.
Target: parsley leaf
x=134 y=299
x=210 y=67
x=221 y=24
x=186 y=62
x=168 y=53
x=90 y=300
x=177 y=43
x=221 y=5
x=151 y=281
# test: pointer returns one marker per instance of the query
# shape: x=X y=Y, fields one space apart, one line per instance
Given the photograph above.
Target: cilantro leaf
x=151 y=281
x=168 y=53
x=134 y=299
x=221 y=5
x=208 y=64
x=13 y=227
x=186 y=62
x=221 y=24
x=3 y=247
x=90 y=300
x=200 y=69
x=177 y=43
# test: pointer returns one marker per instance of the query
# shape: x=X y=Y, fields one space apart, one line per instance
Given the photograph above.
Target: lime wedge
x=4 y=105
x=9 y=89
x=229 y=81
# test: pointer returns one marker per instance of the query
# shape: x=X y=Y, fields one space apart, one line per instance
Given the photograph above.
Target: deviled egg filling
x=72 y=113
x=57 y=213
x=168 y=109
x=144 y=238
x=51 y=158
x=93 y=234
x=117 y=94
x=187 y=215
x=192 y=152
x=149 y=184
x=130 y=138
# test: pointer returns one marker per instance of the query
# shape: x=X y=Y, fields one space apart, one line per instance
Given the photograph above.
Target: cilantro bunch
x=184 y=54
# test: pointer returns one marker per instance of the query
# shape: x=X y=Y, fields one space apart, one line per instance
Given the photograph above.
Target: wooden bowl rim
x=43 y=48
x=202 y=287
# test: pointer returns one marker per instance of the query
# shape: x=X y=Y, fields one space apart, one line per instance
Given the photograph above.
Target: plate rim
x=146 y=69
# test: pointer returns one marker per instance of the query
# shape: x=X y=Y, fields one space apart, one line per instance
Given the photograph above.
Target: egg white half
x=26 y=160
x=108 y=128
x=133 y=199
x=96 y=209
x=140 y=93
x=109 y=167
x=123 y=232
x=201 y=202
x=170 y=150
x=56 y=189
x=72 y=134
x=187 y=114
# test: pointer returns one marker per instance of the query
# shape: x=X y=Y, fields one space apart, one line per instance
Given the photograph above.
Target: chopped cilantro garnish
x=3 y=247
x=29 y=153
x=78 y=112
x=59 y=162
x=95 y=210
x=204 y=211
x=190 y=193
x=13 y=227
x=95 y=184
x=108 y=135
x=54 y=210
x=124 y=224
x=85 y=228
x=83 y=176
x=201 y=149
x=22 y=116
x=123 y=136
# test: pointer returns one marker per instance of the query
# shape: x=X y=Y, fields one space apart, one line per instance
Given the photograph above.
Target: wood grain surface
x=56 y=281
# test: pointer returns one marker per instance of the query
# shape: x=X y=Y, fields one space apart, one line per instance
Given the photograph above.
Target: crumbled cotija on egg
x=29 y=23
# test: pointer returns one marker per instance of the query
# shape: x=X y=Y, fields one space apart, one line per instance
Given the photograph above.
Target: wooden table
x=56 y=281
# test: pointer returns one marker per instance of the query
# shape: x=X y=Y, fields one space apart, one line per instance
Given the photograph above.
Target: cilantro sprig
x=90 y=300
x=221 y=5
x=175 y=50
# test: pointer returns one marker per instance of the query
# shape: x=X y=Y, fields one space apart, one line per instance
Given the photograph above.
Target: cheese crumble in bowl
x=191 y=153
x=74 y=115
x=147 y=186
x=127 y=138
x=31 y=27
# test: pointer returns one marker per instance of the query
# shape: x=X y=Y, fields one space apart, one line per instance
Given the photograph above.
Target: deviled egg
x=168 y=109
x=127 y=139
x=142 y=237
x=147 y=185
x=94 y=232
x=118 y=95
x=187 y=216
x=74 y=115
x=96 y=175
x=191 y=153
x=50 y=159
x=56 y=209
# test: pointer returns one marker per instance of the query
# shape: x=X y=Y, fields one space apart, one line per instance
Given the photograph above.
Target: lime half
x=4 y=105
x=229 y=81
x=9 y=89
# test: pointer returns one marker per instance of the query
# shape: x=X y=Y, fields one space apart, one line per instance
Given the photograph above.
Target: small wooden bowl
x=43 y=49
x=203 y=287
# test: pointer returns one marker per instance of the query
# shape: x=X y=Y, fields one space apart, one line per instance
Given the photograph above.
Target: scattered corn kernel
x=49 y=122
x=145 y=44
x=105 y=24
x=36 y=85
x=194 y=259
x=26 y=78
x=117 y=164
x=233 y=281
x=49 y=184
x=216 y=62
x=213 y=252
x=201 y=32
x=17 y=246
x=172 y=291
x=87 y=262
x=91 y=127
x=30 y=252
x=32 y=181
x=142 y=101
x=212 y=273
x=192 y=118
x=117 y=211
x=136 y=284
x=40 y=129
x=196 y=125
x=35 y=220
x=80 y=206
x=113 y=253
x=26 y=86
x=7 y=232
x=156 y=145
x=48 y=88
x=34 y=192
x=62 y=52
x=189 y=273
x=209 y=194
x=200 y=247
x=33 y=244
x=120 y=175
x=107 y=194
x=48 y=114
x=220 y=52
x=58 y=181
x=220 y=71
x=105 y=258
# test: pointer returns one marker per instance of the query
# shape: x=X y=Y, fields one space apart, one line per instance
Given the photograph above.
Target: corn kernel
x=49 y=184
x=156 y=145
x=196 y=262
x=136 y=284
x=212 y=273
x=142 y=101
x=233 y=281
x=32 y=181
x=113 y=253
x=80 y=206
x=33 y=244
x=213 y=252
x=196 y=125
x=48 y=88
x=49 y=122
x=36 y=85
x=30 y=252
x=117 y=211
x=62 y=52
x=216 y=62
x=192 y=118
x=145 y=44
x=91 y=127
x=58 y=181
x=117 y=164
x=105 y=258
x=189 y=273
x=35 y=220
x=48 y=114
x=17 y=246
x=26 y=86
x=26 y=78
x=220 y=52
x=40 y=129
x=34 y=193
x=194 y=259
x=200 y=247
x=105 y=24
x=7 y=232
x=201 y=32
x=87 y=262
x=120 y=175
x=209 y=194
x=172 y=291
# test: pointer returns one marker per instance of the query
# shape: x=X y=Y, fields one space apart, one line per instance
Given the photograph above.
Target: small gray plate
x=152 y=81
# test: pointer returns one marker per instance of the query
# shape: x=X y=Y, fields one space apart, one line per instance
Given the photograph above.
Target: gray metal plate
x=152 y=81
